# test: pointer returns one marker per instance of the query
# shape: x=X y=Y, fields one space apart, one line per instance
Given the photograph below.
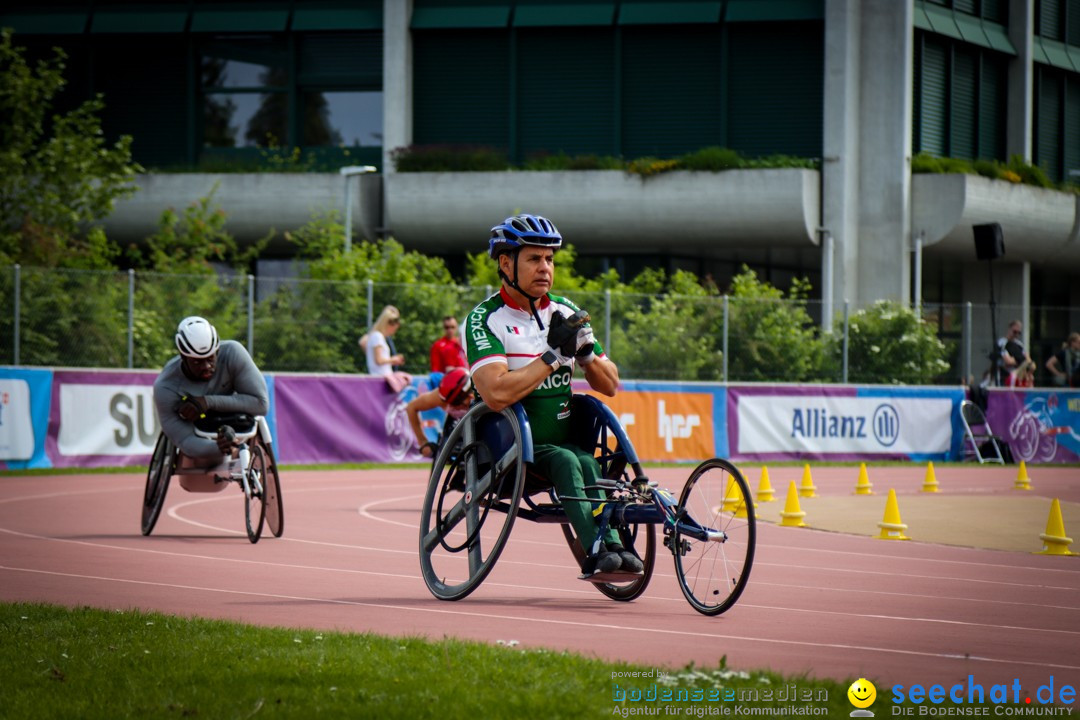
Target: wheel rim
x=158 y=475
x=255 y=499
x=275 y=510
x=712 y=575
x=460 y=538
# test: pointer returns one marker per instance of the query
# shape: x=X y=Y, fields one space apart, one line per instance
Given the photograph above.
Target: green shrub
x=889 y=344
x=712 y=158
x=449 y=158
x=562 y=161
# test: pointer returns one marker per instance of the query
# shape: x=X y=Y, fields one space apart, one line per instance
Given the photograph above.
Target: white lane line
x=544 y=588
x=489 y=616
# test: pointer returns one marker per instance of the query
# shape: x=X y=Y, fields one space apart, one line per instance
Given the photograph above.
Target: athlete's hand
x=562 y=332
x=586 y=345
x=192 y=408
x=226 y=439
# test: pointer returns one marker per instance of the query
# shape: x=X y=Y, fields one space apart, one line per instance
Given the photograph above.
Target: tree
x=57 y=174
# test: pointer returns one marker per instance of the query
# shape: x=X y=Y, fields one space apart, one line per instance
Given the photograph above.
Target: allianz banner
x=843 y=423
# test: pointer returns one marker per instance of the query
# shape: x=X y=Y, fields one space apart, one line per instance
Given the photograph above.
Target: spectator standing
x=1011 y=352
x=1064 y=365
x=378 y=345
x=446 y=352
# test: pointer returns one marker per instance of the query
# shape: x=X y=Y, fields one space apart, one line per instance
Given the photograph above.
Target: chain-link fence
x=71 y=318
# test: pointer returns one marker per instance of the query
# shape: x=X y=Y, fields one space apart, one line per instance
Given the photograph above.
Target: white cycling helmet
x=196 y=338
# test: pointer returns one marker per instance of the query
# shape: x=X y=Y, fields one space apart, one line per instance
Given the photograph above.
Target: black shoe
x=602 y=562
x=629 y=561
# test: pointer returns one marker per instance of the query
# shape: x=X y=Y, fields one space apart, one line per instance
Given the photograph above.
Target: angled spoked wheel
x=162 y=463
x=640 y=537
x=471 y=501
x=255 y=495
x=714 y=553
x=275 y=510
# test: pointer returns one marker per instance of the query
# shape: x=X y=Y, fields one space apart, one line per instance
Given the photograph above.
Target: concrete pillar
x=840 y=147
x=1019 y=118
x=885 y=110
x=397 y=78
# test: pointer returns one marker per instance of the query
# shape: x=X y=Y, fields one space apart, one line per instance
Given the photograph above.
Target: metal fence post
x=370 y=300
x=131 y=318
x=724 y=351
x=18 y=285
x=965 y=361
x=607 y=321
x=251 y=314
x=846 y=337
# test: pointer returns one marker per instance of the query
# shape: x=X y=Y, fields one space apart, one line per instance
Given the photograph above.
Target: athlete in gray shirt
x=206 y=378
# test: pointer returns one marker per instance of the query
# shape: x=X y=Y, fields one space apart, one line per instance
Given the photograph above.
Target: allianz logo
x=675 y=425
x=818 y=422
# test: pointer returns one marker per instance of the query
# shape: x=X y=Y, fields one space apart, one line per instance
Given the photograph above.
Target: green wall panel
x=775 y=88
x=962 y=125
x=932 y=83
x=993 y=87
x=1048 y=110
x=461 y=88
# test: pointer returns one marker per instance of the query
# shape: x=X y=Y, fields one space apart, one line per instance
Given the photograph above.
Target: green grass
x=87 y=663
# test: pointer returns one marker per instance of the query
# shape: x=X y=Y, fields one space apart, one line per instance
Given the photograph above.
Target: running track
x=818 y=603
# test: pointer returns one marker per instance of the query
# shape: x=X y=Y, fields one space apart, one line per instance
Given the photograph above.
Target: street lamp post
x=350 y=171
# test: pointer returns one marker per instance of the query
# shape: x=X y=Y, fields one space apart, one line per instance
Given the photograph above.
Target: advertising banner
x=102 y=418
x=670 y=421
x=24 y=417
x=842 y=423
x=342 y=418
x=1040 y=426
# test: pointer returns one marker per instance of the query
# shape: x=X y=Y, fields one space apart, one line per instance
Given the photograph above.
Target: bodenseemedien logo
x=862 y=695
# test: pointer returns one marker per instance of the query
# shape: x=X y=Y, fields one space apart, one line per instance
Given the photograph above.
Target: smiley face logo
x=862 y=693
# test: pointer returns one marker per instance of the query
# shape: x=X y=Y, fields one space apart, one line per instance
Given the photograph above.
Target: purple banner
x=1041 y=426
x=342 y=418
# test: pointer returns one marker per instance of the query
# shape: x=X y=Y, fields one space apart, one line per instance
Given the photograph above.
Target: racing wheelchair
x=252 y=466
x=481 y=482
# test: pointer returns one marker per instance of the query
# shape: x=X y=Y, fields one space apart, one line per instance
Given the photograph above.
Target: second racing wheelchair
x=481 y=481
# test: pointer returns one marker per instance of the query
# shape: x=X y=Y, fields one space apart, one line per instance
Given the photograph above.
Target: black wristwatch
x=550 y=358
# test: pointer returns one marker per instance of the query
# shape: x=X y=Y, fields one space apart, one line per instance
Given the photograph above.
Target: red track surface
x=819 y=603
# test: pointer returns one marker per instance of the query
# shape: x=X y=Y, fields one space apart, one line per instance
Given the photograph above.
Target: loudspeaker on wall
x=989 y=241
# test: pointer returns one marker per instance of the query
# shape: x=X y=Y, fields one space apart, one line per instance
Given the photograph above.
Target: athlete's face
x=199 y=368
x=535 y=269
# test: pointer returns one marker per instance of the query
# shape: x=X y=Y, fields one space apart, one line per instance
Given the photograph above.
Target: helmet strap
x=514 y=284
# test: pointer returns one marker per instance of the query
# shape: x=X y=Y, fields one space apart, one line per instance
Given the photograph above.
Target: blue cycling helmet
x=513 y=232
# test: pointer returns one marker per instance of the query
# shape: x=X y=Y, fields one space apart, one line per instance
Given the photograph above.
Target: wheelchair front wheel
x=479 y=472
x=715 y=502
x=255 y=496
x=157 y=482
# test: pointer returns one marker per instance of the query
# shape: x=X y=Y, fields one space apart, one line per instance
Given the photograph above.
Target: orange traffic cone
x=892 y=528
x=807 y=488
x=792 y=515
x=765 y=491
x=863 y=486
x=1023 y=482
x=1054 y=540
x=930 y=484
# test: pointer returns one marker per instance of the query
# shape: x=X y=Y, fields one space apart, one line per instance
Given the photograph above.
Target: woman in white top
x=376 y=344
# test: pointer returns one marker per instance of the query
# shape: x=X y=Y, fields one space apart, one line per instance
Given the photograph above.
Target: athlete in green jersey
x=522 y=347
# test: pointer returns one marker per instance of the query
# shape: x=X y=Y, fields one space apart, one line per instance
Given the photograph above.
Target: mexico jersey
x=499 y=331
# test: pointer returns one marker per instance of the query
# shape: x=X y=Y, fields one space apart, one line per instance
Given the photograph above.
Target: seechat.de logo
x=886 y=424
x=1051 y=699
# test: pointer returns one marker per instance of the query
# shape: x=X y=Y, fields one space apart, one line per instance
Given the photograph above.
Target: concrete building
x=859 y=85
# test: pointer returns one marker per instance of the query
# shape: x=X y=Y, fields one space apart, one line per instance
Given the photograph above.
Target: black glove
x=562 y=334
x=192 y=408
x=226 y=439
x=586 y=343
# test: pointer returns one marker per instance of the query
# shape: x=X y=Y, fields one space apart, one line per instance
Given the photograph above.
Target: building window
x=244 y=83
x=347 y=118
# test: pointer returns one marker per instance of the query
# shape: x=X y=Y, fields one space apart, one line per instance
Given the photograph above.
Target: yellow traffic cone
x=1054 y=540
x=1023 y=482
x=891 y=526
x=792 y=515
x=765 y=489
x=930 y=484
x=734 y=502
x=863 y=486
x=807 y=488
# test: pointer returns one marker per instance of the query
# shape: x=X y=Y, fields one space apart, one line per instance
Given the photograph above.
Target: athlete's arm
x=249 y=386
x=501 y=387
x=602 y=376
x=425 y=401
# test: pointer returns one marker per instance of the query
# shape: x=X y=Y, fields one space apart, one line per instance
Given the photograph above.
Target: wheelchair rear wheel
x=713 y=573
x=255 y=497
x=275 y=510
x=631 y=537
x=158 y=475
x=479 y=468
